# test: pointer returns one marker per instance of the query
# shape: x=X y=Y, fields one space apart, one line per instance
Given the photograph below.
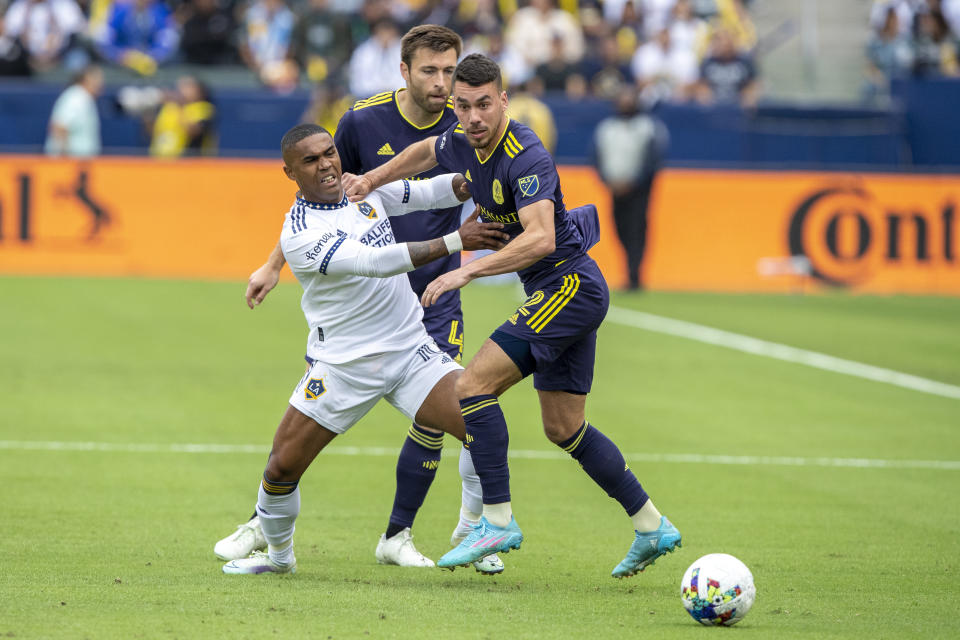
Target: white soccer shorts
x=337 y=396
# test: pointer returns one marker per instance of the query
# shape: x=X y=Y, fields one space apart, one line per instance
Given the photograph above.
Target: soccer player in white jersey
x=366 y=340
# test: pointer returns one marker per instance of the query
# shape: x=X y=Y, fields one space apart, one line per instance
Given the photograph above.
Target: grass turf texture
x=119 y=544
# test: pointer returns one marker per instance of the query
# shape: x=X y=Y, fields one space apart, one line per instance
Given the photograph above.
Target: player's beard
x=422 y=99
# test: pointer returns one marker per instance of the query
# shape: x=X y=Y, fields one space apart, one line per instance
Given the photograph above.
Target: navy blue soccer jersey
x=519 y=172
x=372 y=133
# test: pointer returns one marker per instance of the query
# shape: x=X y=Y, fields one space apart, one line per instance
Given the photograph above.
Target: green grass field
x=116 y=542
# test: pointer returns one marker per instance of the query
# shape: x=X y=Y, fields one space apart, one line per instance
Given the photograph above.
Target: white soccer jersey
x=351 y=315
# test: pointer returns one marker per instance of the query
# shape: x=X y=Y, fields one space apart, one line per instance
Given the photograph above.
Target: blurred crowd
x=674 y=50
x=912 y=38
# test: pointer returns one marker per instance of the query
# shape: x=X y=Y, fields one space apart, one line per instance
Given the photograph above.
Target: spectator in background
x=140 y=35
x=732 y=15
x=525 y=107
x=471 y=18
x=531 y=31
x=727 y=76
x=905 y=10
x=512 y=64
x=13 y=57
x=185 y=123
x=328 y=102
x=889 y=54
x=557 y=71
x=321 y=41
x=373 y=66
x=605 y=71
x=46 y=29
x=74 y=128
x=208 y=33
x=934 y=51
x=687 y=31
x=629 y=148
x=656 y=15
x=663 y=71
x=265 y=43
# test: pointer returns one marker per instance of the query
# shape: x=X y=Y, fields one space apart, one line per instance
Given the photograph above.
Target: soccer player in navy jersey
x=371 y=133
x=552 y=335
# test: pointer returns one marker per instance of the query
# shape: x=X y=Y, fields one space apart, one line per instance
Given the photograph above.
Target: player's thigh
x=562 y=413
x=490 y=372
x=298 y=440
x=421 y=386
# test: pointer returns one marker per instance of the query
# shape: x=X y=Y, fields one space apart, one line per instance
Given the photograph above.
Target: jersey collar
x=396 y=103
x=324 y=206
x=497 y=146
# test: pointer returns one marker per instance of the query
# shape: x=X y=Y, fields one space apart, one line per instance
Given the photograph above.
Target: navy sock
x=603 y=462
x=416 y=469
x=487 y=440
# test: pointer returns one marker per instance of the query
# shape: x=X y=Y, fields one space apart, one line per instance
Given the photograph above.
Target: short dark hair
x=431 y=36
x=298 y=133
x=477 y=70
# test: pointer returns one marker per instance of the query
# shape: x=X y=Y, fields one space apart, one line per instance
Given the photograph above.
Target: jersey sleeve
x=404 y=196
x=533 y=177
x=346 y=143
x=443 y=148
x=332 y=252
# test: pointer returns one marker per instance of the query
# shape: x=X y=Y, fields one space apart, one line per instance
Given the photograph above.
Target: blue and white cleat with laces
x=485 y=539
x=647 y=547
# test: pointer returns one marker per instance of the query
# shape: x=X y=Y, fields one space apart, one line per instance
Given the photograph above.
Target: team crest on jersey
x=314 y=389
x=497 y=191
x=529 y=185
x=367 y=210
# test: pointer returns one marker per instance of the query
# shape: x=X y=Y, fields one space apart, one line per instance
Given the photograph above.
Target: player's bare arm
x=413 y=160
x=537 y=241
x=264 y=279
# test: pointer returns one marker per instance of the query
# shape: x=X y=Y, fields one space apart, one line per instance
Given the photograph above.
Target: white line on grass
x=529 y=454
x=747 y=344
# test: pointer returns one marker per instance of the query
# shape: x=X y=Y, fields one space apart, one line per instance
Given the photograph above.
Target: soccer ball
x=717 y=589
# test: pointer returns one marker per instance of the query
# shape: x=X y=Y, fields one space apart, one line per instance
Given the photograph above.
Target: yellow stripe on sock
x=483 y=404
x=424 y=440
x=576 y=442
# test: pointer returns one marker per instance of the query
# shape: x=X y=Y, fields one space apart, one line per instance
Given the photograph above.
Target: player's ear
x=405 y=71
x=289 y=172
x=503 y=99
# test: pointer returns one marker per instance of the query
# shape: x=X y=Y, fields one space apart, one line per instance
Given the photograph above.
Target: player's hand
x=356 y=187
x=447 y=282
x=477 y=235
x=461 y=188
x=260 y=283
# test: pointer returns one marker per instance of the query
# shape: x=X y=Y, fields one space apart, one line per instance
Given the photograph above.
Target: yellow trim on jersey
x=504 y=135
x=483 y=404
x=576 y=442
x=512 y=146
x=571 y=284
x=430 y=442
x=400 y=111
x=380 y=98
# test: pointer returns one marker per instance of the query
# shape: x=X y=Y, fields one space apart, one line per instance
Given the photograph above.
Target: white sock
x=281 y=554
x=498 y=514
x=647 y=519
x=472 y=492
x=278 y=515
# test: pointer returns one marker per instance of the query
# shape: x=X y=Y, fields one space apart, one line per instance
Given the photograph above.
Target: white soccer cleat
x=399 y=550
x=258 y=562
x=245 y=540
x=491 y=565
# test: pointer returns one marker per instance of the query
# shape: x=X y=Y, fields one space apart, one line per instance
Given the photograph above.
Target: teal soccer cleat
x=647 y=547
x=484 y=540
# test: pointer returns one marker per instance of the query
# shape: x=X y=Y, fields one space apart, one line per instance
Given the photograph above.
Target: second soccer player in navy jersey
x=371 y=133
x=514 y=181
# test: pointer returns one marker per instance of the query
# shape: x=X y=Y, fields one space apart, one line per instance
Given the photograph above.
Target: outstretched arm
x=415 y=159
x=264 y=279
x=537 y=241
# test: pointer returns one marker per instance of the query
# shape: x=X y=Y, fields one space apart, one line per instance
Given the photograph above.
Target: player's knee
x=281 y=469
x=558 y=431
x=469 y=385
